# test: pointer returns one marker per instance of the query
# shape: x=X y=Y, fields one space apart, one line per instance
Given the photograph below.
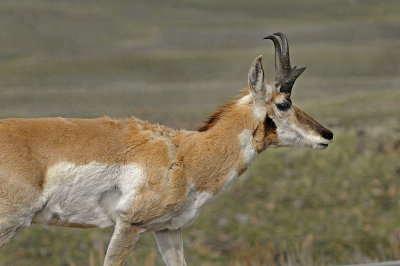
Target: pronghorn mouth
x=323 y=144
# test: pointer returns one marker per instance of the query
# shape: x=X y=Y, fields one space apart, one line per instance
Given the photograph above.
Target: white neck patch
x=247 y=148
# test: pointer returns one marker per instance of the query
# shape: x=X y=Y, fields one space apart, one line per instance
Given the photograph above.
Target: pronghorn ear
x=256 y=80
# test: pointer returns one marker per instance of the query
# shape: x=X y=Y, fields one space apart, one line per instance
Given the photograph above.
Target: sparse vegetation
x=173 y=62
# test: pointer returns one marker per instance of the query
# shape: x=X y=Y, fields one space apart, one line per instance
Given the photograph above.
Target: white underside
x=89 y=194
x=94 y=194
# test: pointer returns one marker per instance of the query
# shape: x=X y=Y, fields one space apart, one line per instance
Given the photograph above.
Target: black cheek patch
x=269 y=126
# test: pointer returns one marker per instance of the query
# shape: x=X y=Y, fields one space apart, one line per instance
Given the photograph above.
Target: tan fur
x=216 y=116
x=178 y=166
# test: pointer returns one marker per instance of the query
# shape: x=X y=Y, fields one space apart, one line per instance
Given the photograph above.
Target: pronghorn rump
x=136 y=176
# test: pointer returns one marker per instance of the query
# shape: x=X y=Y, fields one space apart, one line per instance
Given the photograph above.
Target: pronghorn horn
x=285 y=58
x=278 y=53
x=285 y=75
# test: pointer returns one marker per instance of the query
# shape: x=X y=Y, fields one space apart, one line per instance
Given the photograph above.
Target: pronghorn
x=139 y=177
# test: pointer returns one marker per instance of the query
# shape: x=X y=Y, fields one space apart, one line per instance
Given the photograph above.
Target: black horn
x=285 y=75
x=278 y=54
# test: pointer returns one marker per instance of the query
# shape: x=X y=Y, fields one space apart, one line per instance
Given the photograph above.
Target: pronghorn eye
x=283 y=106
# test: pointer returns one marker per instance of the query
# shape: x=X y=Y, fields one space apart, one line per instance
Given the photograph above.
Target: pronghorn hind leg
x=18 y=202
x=7 y=232
x=170 y=245
x=122 y=241
x=15 y=222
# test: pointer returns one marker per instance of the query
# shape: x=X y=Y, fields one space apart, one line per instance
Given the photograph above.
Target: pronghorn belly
x=87 y=195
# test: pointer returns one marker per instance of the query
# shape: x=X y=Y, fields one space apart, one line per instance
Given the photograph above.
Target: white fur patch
x=89 y=194
x=268 y=92
x=195 y=200
x=232 y=177
x=247 y=148
x=193 y=205
x=245 y=99
x=289 y=134
x=258 y=110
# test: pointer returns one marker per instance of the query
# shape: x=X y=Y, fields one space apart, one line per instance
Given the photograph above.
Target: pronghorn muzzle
x=325 y=135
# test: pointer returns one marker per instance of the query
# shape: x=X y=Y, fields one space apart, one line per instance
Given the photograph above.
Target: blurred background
x=175 y=61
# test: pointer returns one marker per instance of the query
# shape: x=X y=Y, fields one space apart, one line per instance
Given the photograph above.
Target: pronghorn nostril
x=327 y=134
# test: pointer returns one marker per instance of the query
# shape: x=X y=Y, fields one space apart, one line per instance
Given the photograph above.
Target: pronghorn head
x=273 y=107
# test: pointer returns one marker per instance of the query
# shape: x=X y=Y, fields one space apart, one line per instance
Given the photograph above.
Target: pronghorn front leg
x=123 y=239
x=170 y=245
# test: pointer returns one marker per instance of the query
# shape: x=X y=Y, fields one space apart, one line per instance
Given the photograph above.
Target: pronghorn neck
x=216 y=156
